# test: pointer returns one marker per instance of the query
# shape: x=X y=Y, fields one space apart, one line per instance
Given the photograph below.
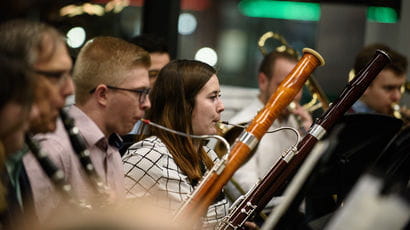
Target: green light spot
x=280 y=9
x=382 y=14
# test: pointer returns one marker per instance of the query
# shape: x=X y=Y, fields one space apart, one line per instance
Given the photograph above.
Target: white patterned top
x=151 y=172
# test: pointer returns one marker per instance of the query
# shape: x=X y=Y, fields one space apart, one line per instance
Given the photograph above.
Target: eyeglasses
x=142 y=93
x=56 y=77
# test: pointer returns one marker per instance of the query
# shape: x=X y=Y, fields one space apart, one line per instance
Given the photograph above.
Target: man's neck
x=95 y=114
x=262 y=99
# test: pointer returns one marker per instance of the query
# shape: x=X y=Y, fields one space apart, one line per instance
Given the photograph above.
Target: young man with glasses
x=158 y=51
x=111 y=94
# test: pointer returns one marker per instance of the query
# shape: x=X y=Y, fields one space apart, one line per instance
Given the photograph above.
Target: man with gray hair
x=112 y=86
x=41 y=49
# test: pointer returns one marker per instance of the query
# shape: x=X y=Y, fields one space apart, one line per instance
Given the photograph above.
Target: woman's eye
x=215 y=96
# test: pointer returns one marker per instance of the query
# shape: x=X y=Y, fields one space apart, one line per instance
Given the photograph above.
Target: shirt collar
x=88 y=128
x=14 y=163
x=361 y=107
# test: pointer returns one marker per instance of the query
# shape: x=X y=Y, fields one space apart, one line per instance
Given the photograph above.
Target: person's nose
x=34 y=112
x=146 y=104
x=395 y=95
x=67 y=88
x=220 y=106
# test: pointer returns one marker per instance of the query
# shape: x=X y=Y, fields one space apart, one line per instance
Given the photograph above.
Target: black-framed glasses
x=142 y=93
x=57 y=77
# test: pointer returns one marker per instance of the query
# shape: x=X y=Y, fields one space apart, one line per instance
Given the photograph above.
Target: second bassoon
x=259 y=196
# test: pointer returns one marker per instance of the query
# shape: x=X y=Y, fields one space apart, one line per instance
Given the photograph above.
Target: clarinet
x=80 y=148
x=263 y=191
x=55 y=174
x=211 y=185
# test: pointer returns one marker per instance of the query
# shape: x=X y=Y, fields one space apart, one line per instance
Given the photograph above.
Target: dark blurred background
x=230 y=29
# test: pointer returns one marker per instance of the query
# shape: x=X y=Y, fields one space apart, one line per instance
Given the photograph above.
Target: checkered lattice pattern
x=151 y=172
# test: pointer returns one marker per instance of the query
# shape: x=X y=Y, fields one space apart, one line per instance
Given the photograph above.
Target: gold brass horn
x=398 y=111
x=319 y=98
x=406 y=87
x=284 y=47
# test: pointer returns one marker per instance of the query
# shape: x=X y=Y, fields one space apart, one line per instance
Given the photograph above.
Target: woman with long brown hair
x=165 y=166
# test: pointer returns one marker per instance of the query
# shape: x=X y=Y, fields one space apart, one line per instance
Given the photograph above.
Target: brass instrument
x=398 y=111
x=401 y=112
x=284 y=47
x=230 y=133
x=319 y=98
x=406 y=87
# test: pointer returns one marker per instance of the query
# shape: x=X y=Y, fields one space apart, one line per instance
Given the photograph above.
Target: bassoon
x=259 y=196
x=211 y=185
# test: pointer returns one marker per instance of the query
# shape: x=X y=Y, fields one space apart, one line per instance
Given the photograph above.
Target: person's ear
x=263 y=81
x=101 y=94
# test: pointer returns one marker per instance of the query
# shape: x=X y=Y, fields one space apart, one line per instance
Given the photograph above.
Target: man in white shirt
x=272 y=71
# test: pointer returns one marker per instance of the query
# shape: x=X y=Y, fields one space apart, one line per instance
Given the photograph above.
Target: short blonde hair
x=105 y=60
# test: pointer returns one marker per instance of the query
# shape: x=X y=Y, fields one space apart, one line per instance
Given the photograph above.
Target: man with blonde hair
x=111 y=94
